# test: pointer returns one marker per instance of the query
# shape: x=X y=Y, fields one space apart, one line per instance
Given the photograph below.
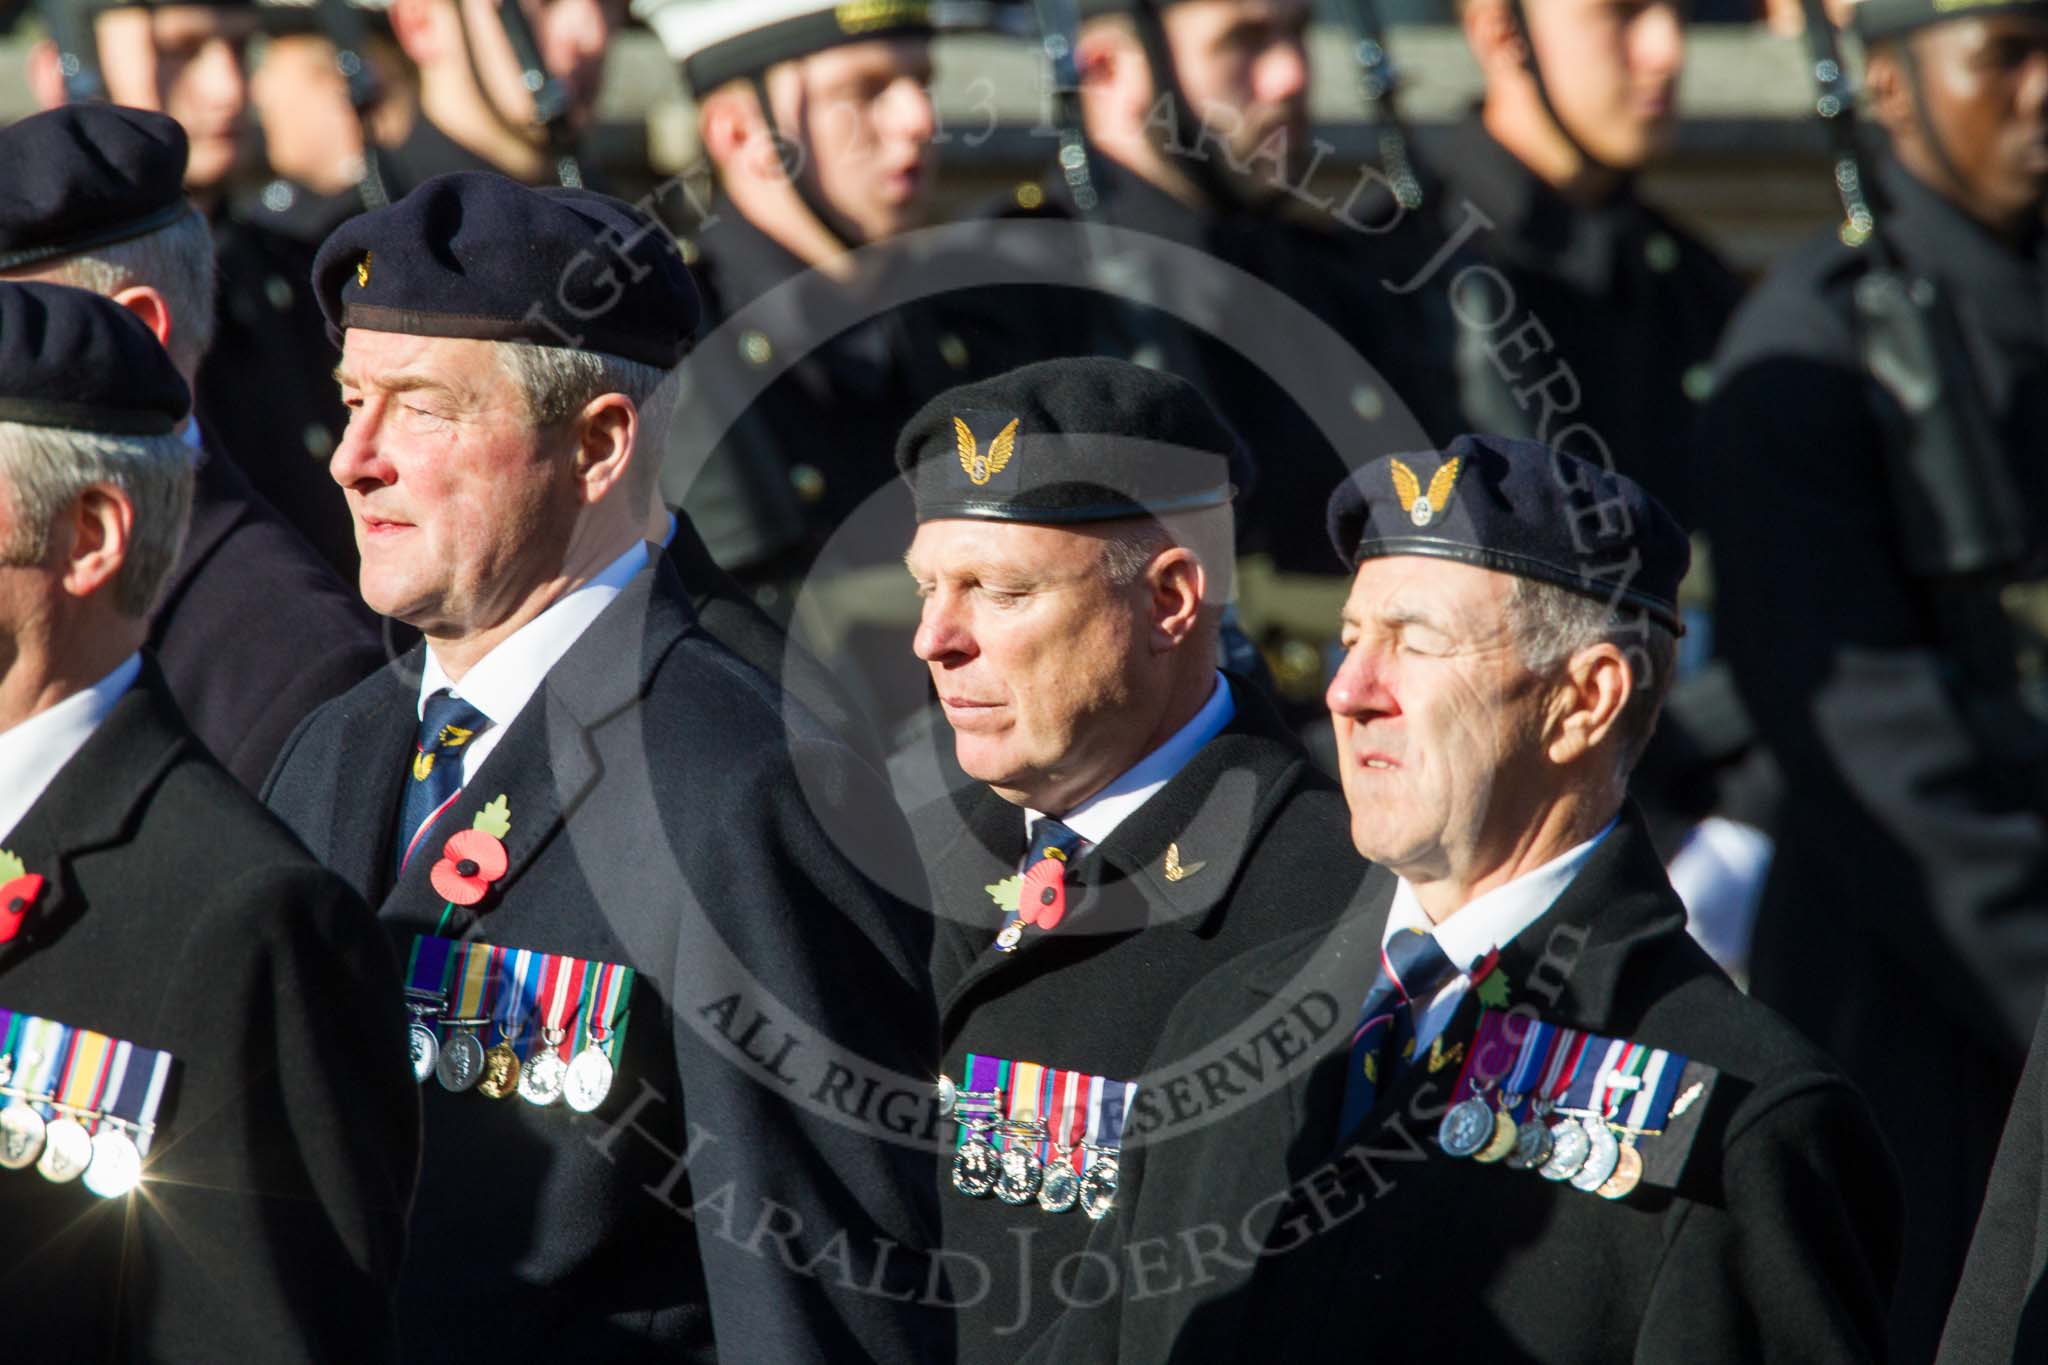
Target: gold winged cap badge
x=980 y=466
x=1422 y=508
x=1177 y=870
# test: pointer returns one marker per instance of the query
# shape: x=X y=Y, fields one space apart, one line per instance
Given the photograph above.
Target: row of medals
x=463 y=1063
x=1015 y=1174
x=62 y=1151
x=1582 y=1149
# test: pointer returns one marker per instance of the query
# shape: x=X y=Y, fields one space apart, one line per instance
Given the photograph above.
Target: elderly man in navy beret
x=207 y=1141
x=620 y=870
x=1551 y=1128
x=1138 y=818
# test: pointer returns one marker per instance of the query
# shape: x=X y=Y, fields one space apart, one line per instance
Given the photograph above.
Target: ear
x=1176 y=581
x=1494 y=37
x=45 y=76
x=1113 y=68
x=152 y=307
x=727 y=121
x=421 y=28
x=1588 y=702
x=1888 y=93
x=605 y=432
x=98 y=528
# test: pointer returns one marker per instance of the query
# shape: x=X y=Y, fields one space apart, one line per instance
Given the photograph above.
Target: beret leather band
x=92 y=241
x=53 y=412
x=1523 y=566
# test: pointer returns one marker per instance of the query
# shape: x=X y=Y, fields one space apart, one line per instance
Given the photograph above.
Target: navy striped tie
x=434 y=775
x=1412 y=968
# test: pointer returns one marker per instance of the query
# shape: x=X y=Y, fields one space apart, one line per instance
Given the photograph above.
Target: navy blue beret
x=75 y=359
x=473 y=254
x=1518 y=508
x=87 y=176
x=1067 y=441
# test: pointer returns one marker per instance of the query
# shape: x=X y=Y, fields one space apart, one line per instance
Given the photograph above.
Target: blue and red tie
x=434 y=776
x=1412 y=968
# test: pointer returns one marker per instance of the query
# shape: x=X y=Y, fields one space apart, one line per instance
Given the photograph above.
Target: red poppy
x=1043 y=899
x=15 y=899
x=470 y=862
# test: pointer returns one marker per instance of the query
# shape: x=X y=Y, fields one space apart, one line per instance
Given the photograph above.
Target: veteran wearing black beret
x=207 y=1147
x=1546 y=1126
x=100 y=203
x=1136 y=818
x=570 y=777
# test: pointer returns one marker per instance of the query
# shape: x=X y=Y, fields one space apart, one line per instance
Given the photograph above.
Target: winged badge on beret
x=981 y=468
x=1422 y=507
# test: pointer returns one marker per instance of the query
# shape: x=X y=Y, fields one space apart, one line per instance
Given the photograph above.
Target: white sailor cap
x=715 y=41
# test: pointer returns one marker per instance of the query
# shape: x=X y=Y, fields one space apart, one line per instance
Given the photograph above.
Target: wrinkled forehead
x=1446 y=593
x=403 y=360
x=970 y=547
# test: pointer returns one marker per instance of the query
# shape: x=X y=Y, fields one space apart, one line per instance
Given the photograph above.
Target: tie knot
x=1415 y=964
x=448 y=722
x=1049 y=835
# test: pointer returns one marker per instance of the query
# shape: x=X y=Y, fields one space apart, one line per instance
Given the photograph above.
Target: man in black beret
x=1547 y=1126
x=263 y=396
x=99 y=203
x=1136 y=816
x=207 y=1144
x=1881 y=568
x=569 y=766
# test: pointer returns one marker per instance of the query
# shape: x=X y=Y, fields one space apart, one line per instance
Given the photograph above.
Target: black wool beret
x=473 y=254
x=87 y=176
x=1068 y=441
x=1518 y=508
x=75 y=359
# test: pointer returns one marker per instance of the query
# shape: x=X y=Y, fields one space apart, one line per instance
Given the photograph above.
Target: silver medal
x=116 y=1166
x=1018 y=1171
x=21 y=1137
x=461 y=1064
x=949 y=1094
x=589 y=1080
x=67 y=1151
x=1467 y=1128
x=1532 y=1146
x=1603 y=1155
x=974 y=1168
x=1098 y=1187
x=1568 y=1148
x=1012 y=934
x=541 y=1080
x=1060 y=1190
x=426 y=1051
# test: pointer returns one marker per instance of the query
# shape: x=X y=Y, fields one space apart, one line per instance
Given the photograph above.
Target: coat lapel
x=93 y=804
x=547 y=762
x=382 y=722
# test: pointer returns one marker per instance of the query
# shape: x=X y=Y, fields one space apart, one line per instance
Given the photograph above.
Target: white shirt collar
x=1095 y=818
x=501 y=683
x=1489 y=921
x=35 y=751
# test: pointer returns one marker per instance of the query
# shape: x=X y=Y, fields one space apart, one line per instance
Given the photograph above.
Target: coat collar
x=2006 y=287
x=546 y=761
x=95 y=802
x=1209 y=816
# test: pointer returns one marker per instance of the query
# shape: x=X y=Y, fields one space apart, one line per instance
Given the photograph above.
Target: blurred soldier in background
x=265 y=398
x=1873 y=482
x=252 y=630
x=1595 y=334
x=1196 y=112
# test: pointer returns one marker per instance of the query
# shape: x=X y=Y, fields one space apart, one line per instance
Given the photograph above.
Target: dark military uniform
x=1272 y=831
x=150 y=902
x=1767 y=1230
x=1914 y=844
x=1628 y=300
x=2000 y=1313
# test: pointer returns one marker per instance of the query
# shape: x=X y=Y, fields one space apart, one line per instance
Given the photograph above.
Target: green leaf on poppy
x=494 y=819
x=1005 y=892
x=1493 y=991
x=10 y=867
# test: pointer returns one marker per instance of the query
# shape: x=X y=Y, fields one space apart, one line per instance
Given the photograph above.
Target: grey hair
x=44 y=470
x=1552 y=623
x=557 y=383
x=1129 y=547
x=176 y=261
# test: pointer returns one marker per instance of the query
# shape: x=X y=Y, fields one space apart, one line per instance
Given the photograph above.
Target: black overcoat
x=178 y=914
x=1267 y=836
x=1250 y=1224
x=726 y=1196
